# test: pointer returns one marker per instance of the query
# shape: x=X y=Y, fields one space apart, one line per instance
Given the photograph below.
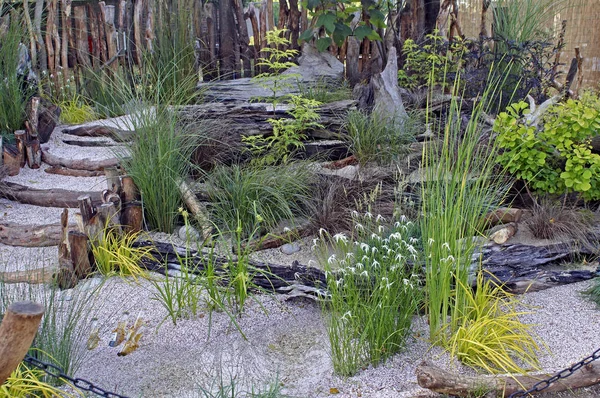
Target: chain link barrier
x=84 y=385
x=563 y=374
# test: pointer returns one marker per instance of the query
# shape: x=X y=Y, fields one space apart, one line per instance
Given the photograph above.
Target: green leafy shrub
x=288 y=134
x=557 y=157
x=374 y=291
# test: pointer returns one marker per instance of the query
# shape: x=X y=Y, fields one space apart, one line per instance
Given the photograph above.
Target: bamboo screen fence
x=583 y=32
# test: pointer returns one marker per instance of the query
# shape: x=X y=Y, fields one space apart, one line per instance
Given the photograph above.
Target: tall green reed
x=14 y=91
x=460 y=185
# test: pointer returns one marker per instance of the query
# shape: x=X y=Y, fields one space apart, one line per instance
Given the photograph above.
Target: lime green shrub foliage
x=374 y=291
x=557 y=157
x=491 y=336
x=431 y=62
x=288 y=134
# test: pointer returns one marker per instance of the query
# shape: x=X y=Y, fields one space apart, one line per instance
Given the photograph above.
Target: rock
x=191 y=234
x=504 y=215
x=387 y=96
x=313 y=67
x=316 y=66
x=290 y=248
x=503 y=234
x=328 y=149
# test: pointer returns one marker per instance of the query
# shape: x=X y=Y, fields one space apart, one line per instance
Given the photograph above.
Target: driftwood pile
x=120 y=209
x=27 y=148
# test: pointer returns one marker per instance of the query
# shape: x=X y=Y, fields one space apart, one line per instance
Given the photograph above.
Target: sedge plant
x=373 y=290
x=26 y=382
x=115 y=253
x=491 y=336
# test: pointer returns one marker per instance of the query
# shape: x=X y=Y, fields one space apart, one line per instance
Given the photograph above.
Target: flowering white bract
x=340 y=237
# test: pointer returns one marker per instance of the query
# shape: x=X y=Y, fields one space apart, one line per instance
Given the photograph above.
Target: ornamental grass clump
x=461 y=185
x=491 y=336
x=373 y=291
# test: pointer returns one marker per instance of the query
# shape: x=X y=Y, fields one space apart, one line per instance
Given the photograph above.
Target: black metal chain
x=55 y=371
x=563 y=374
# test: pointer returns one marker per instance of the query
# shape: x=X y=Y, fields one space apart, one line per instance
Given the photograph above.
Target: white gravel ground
x=287 y=340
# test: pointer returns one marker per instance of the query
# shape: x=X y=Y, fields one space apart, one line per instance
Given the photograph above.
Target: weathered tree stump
x=17 y=331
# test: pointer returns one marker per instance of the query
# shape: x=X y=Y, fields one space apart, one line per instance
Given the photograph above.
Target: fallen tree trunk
x=13 y=234
x=79 y=164
x=433 y=378
x=523 y=268
x=251 y=119
x=45 y=197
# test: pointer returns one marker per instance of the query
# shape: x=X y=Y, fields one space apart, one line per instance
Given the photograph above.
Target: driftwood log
x=251 y=119
x=33 y=276
x=79 y=164
x=433 y=378
x=522 y=268
x=83 y=143
x=17 y=331
x=44 y=197
x=100 y=131
x=300 y=280
x=13 y=234
x=292 y=280
x=72 y=172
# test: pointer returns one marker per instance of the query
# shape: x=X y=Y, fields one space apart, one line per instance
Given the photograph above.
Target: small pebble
x=290 y=248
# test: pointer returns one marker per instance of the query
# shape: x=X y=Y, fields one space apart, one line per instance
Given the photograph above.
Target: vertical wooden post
x=65 y=33
x=17 y=331
x=137 y=30
x=50 y=28
x=93 y=40
x=81 y=36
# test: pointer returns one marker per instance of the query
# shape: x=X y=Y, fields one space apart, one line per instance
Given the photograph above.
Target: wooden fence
x=230 y=38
